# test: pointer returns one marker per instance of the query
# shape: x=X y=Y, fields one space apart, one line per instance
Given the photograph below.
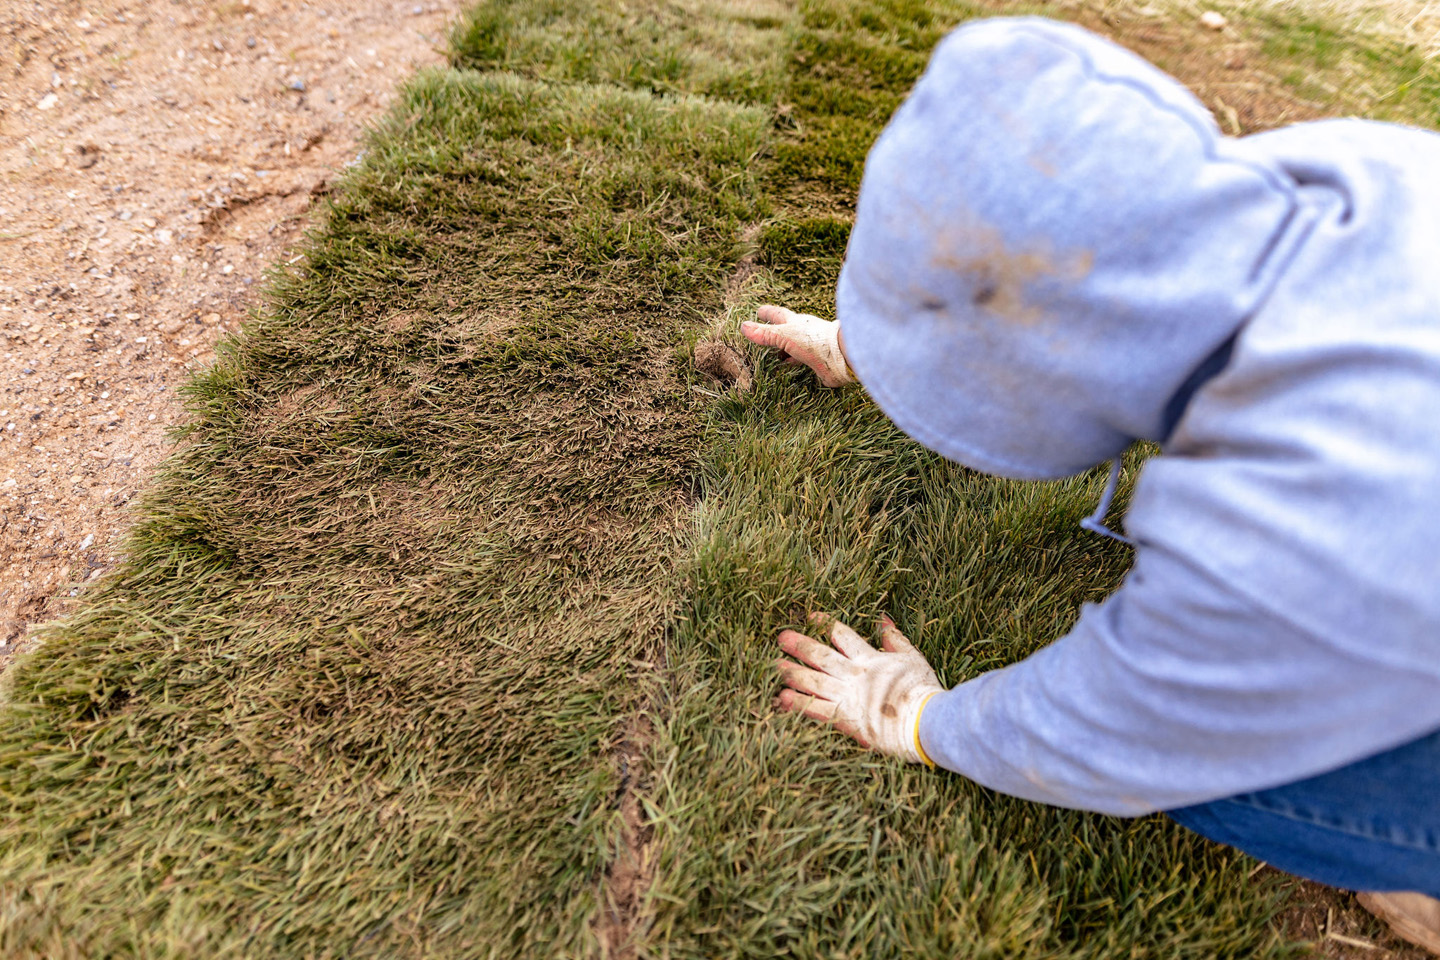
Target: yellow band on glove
x=924 y=757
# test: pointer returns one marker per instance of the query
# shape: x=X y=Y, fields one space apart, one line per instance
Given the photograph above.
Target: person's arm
x=802 y=338
x=1177 y=690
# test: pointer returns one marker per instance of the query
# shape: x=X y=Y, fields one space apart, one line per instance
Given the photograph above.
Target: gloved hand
x=875 y=696
x=803 y=339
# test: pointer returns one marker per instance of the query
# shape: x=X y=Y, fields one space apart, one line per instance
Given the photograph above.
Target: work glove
x=875 y=696
x=802 y=339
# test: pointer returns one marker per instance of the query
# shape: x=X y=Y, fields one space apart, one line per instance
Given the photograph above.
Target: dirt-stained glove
x=802 y=339
x=875 y=696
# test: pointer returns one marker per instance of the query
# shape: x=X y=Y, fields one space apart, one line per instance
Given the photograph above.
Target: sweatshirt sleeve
x=1174 y=691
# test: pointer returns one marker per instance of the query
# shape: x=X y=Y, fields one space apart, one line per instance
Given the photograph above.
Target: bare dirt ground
x=155 y=157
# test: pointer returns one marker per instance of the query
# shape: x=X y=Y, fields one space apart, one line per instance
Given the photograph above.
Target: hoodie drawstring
x=1095 y=522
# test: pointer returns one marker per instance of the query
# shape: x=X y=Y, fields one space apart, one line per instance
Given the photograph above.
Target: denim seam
x=1421 y=846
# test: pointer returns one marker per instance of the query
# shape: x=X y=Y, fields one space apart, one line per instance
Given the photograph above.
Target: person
x=1057 y=253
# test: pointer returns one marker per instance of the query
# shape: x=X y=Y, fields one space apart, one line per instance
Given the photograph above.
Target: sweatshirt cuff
x=933 y=732
x=948 y=731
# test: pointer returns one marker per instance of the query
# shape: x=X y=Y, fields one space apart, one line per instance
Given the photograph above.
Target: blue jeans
x=1374 y=825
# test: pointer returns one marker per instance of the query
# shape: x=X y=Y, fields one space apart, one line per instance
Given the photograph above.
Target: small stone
x=77 y=480
x=89 y=539
x=228 y=268
x=98 y=455
x=212 y=318
x=1213 y=20
x=250 y=42
x=164 y=235
x=8 y=483
x=125 y=214
x=298 y=85
x=48 y=101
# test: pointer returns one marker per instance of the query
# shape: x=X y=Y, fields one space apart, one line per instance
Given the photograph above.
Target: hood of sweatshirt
x=1016 y=294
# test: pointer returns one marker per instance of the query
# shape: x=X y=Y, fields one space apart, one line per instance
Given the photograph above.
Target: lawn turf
x=457 y=557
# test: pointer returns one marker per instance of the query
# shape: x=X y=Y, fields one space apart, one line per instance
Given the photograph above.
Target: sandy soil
x=155 y=157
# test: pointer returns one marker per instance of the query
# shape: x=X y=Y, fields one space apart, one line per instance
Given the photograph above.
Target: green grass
x=727 y=49
x=457 y=554
x=1376 y=77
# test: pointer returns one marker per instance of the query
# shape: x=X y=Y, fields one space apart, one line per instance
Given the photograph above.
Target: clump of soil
x=155 y=159
x=723 y=363
x=632 y=869
x=1338 y=926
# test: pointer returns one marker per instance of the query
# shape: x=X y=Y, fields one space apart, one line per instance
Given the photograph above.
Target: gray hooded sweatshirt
x=1056 y=253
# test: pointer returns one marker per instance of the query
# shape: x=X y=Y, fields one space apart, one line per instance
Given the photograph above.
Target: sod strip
x=723 y=49
x=813 y=501
x=391 y=611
